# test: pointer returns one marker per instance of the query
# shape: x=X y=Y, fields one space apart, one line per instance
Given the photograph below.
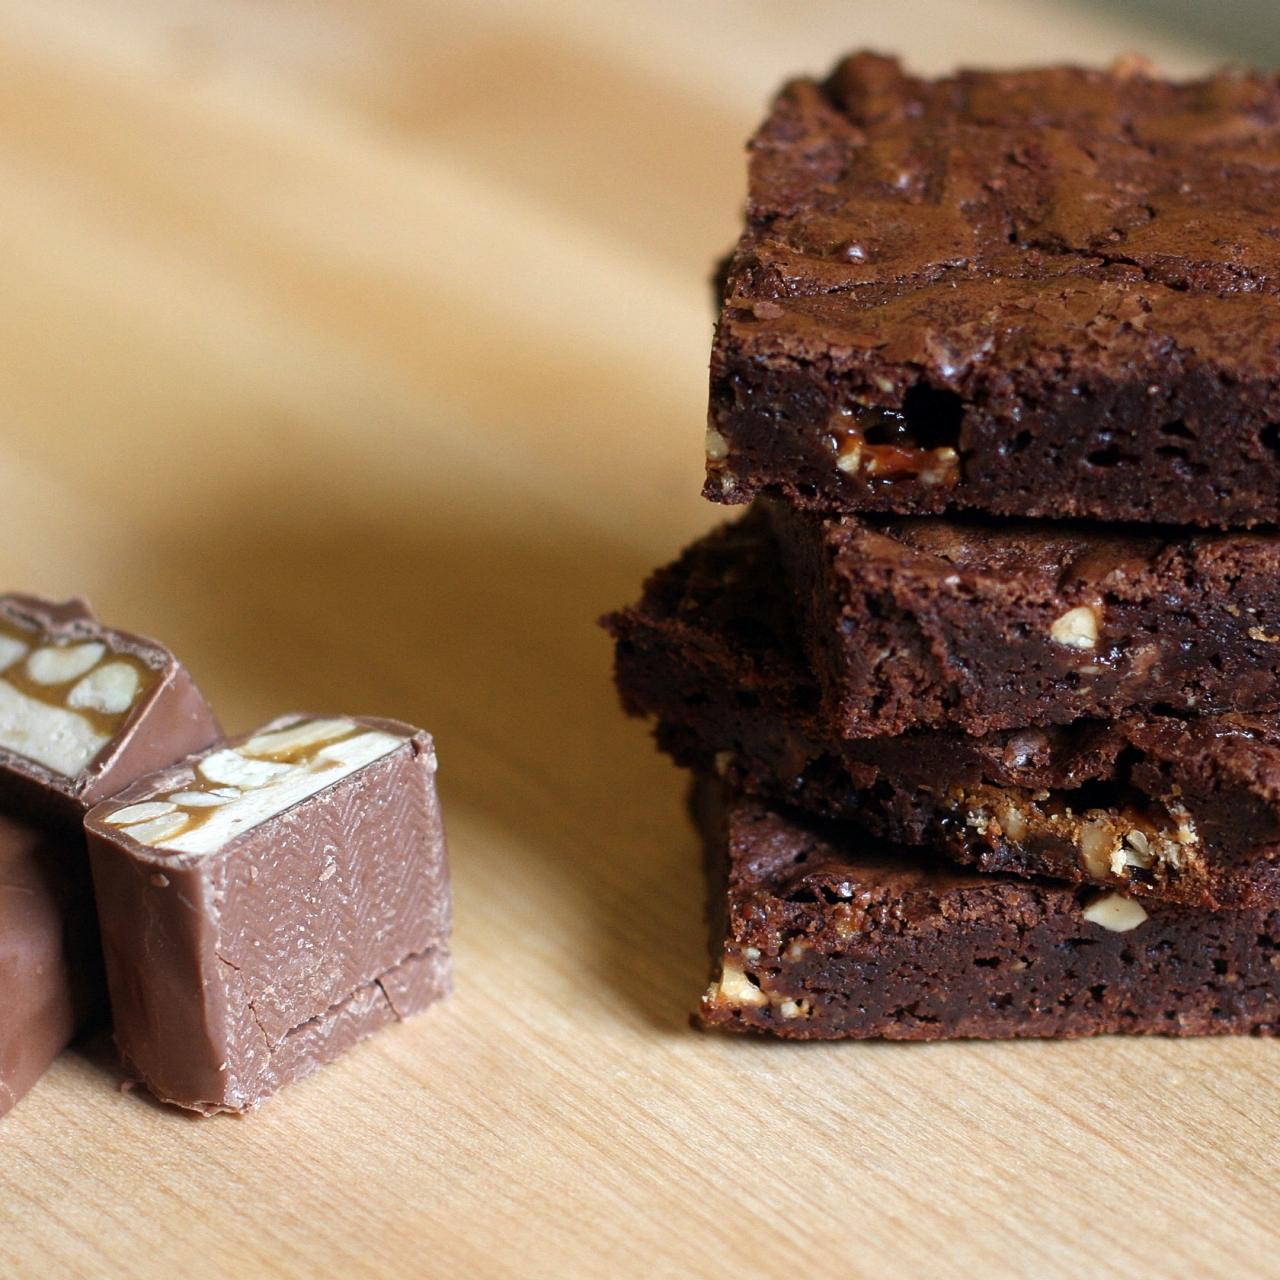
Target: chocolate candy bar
x=50 y=972
x=85 y=709
x=1184 y=810
x=825 y=936
x=270 y=902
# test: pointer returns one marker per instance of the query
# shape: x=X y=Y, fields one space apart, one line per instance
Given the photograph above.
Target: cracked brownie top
x=886 y=184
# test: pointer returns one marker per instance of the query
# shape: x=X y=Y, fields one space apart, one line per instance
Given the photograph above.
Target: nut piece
x=111 y=689
x=1135 y=852
x=717 y=446
x=281 y=744
x=1013 y=823
x=228 y=766
x=51 y=665
x=1097 y=846
x=795 y=1009
x=1115 y=912
x=203 y=799
x=143 y=812
x=11 y=649
x=150 y=833
x=1186 y=832
x=941 y=469
x=735 y=988
x=61 y=740
x=850 y=455
x=1076 y=629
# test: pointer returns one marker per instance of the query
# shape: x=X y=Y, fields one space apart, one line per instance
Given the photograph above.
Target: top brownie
x=1041 y=293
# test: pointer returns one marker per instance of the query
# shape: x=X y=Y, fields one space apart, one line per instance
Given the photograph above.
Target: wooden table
x=358 y=351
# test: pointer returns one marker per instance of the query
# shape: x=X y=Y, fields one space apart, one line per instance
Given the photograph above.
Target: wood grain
x=359 y=352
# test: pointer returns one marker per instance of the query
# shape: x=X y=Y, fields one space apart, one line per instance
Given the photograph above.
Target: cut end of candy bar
x=86 y=709
x=270 y=902
x=237 y=788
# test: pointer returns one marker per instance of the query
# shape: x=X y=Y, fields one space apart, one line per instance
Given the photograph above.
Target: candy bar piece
x=1184 y=810
x=50 y=973
x=85 y=709
x=824 y=936
x=1050 y=293
x=268 y=903
x=910 y=623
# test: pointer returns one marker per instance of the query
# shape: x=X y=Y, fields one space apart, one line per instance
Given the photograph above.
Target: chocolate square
x=270 y=902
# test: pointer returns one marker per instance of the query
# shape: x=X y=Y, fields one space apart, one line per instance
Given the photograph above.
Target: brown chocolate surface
x=84 y=710
x=1184 y=810
x=918 y=622
x=1045 y=293
x=50 y=972
x=238 y=968
x=821 y=936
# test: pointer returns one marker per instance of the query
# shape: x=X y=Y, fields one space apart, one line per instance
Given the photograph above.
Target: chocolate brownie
x=1184 y=810
x=823 y=936
x=1041 y=293
x=925 y=621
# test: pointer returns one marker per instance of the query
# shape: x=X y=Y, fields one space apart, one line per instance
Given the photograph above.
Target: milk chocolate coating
x=50 y=973
x=235 y=972
x=170 y=720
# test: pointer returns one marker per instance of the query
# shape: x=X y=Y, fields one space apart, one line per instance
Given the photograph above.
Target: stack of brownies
x=983 y=691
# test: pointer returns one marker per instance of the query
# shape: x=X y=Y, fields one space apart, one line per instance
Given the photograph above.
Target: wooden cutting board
x=358 y=352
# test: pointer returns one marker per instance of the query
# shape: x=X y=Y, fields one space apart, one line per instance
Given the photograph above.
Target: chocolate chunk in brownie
x=1052 y=293
x=1183 y=810
x=825 y=936
x=928 y=621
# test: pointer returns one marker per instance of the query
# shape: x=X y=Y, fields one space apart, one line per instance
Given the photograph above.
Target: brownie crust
x=1182 y=810
x=819 y=937
x=918 y=622
x=1047 y=293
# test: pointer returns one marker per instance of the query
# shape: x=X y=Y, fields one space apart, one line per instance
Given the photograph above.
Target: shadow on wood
x=481 y=627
